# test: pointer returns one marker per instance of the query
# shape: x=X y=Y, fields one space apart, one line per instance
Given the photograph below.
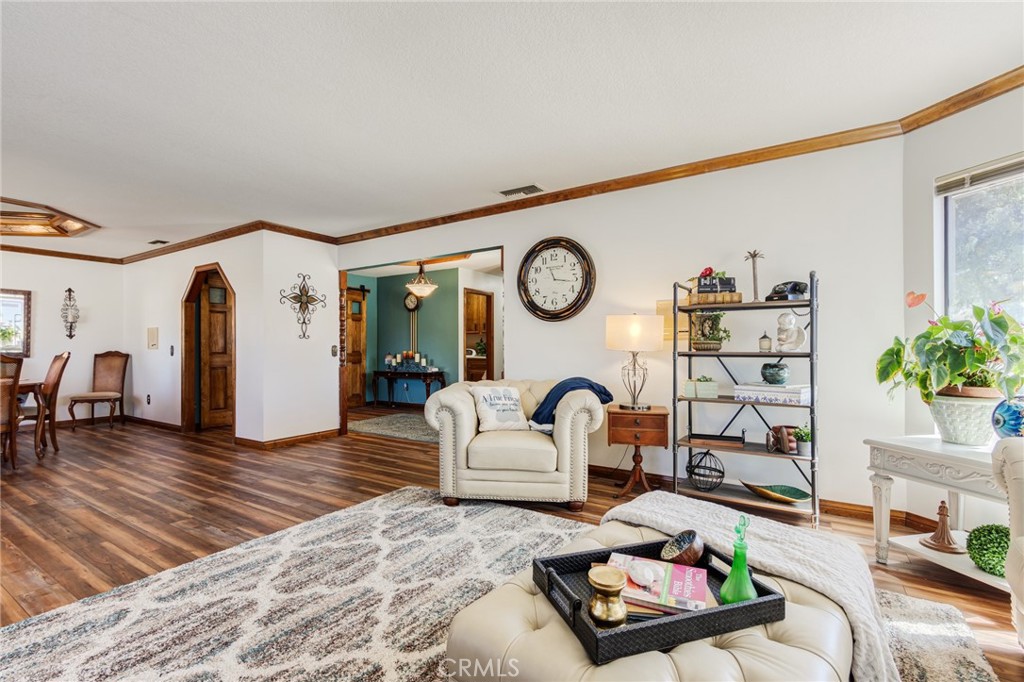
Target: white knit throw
x=831 y=565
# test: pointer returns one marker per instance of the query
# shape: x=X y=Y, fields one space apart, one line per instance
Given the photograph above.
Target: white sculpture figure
x=791 y=336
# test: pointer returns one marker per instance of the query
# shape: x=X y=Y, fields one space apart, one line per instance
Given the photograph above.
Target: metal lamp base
x=639 y=407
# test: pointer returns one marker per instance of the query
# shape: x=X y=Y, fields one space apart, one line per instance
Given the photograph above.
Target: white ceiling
x=172 y=120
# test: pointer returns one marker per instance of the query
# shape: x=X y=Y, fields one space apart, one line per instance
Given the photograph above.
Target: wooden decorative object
x=942 y=540
x=304 y=300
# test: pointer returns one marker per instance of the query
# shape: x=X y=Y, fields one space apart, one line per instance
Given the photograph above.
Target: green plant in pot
x=961 y=367
x=708 y=333
x=802 y=435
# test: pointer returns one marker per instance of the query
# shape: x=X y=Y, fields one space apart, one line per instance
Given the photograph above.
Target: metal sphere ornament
x=705 y=471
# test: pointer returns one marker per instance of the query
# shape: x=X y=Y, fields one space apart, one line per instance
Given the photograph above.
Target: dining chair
x=10 y=375
x=108 y=370
x=51 y=386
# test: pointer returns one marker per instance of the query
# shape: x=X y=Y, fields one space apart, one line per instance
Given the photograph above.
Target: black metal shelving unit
x=807 y=466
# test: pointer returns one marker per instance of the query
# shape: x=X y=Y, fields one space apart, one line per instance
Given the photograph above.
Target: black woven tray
x=563 y=579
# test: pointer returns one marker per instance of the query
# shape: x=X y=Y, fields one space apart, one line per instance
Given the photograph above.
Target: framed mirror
x=16 y=322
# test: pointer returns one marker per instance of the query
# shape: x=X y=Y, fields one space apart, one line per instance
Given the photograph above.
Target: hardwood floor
x=118 y=505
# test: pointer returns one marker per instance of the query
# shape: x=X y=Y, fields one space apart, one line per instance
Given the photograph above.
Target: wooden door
x=478 y=322
x=355 y=347
x=207 y=350
x=216 y=354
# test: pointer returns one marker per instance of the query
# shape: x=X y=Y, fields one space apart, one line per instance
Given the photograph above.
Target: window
x=984 y=225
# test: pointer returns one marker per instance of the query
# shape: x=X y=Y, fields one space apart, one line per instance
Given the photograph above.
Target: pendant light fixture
x=420 y=285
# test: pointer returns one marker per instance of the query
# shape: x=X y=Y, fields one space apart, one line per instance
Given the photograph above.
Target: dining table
x=35 y=389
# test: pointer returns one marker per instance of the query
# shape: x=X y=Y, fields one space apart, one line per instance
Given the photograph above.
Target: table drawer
x=638 y=436
x=638 y=421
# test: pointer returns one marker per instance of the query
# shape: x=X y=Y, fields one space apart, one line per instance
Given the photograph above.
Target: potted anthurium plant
x=961 y=367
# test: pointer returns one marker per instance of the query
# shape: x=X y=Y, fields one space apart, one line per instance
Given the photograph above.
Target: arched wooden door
x=208 y=351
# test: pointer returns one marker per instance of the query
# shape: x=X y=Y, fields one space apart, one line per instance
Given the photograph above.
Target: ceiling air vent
x=158 y=242
x=521 y=191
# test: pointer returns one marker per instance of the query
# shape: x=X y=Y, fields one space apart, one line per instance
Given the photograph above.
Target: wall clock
x=411 y=301
x=556 y=279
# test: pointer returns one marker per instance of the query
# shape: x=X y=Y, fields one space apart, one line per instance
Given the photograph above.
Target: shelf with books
x=757 y=398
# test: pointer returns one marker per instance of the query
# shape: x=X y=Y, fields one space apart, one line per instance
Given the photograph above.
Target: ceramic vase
x=803 y=448
x=1008 y=418
x=775 y=373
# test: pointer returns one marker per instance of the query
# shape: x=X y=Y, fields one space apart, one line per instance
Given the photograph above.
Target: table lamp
x=634 y=334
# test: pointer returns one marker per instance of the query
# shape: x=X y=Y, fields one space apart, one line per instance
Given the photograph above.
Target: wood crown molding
x=229 y=233
x=60 y=254
x=952 y=105
x=978 y=94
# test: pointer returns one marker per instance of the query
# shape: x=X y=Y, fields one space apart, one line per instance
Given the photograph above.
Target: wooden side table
x=637 y=428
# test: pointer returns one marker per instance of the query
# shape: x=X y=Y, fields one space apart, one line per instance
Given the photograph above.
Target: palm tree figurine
x=753 y=256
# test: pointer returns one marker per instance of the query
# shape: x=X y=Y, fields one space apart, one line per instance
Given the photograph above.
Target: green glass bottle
x=738 y=587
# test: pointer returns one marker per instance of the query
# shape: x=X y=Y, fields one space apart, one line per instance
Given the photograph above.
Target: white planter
x=700 y=389
x=964 y=421
x=803 y=448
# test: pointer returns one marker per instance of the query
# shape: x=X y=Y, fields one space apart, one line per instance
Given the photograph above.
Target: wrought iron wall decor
x=69 y=312
x=303 y=300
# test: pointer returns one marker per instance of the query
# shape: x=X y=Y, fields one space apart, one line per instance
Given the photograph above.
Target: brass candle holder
x=607 y=609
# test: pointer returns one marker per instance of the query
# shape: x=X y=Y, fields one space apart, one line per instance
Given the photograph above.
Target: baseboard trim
x=286 y=442
x=833 y=507
x=152 y=422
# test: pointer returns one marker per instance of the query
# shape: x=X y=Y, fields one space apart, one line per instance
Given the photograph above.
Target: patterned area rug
x=363 y=595
x=932 y=641
x=406 y=426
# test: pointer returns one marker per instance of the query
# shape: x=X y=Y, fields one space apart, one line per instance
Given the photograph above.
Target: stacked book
x=658 y=587
x=785 y=394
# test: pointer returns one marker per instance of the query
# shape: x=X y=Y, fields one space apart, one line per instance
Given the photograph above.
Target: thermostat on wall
x=153 y=338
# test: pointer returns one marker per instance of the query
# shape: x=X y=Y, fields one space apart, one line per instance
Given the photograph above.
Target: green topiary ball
x=987 y=546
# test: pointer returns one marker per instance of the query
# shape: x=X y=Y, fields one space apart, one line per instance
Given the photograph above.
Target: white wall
x=983 y=133
x=300 y=376
x=481 y=281
x=153 y=290
x=836 y=212
x=98 y=289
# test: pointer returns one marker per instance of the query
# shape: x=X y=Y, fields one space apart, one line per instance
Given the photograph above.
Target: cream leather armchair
x=513 y=465
x=1008 y=467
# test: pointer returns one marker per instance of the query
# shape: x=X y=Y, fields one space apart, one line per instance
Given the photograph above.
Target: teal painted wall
x=438 y=328
x=373 y=359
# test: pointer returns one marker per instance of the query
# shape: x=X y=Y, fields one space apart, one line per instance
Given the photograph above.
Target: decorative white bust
x=791 y=336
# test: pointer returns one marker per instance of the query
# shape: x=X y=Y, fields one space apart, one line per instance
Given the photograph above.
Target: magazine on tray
x=661 y=585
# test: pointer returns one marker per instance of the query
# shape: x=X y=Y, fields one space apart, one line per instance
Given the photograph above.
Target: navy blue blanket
x=545 y=412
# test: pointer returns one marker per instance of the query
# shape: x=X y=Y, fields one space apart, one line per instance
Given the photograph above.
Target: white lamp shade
x=634 y=332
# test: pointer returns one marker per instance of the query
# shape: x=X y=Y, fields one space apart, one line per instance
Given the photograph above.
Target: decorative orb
x=705 y=471
x=1008 y=418
x=988 y=546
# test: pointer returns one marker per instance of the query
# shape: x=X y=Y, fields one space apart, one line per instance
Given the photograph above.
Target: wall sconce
x=69 y=312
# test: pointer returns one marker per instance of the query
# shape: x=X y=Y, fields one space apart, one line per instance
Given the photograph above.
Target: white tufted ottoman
x=514 y=633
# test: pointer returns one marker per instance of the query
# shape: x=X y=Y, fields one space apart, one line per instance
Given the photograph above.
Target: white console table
x=959 y=469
